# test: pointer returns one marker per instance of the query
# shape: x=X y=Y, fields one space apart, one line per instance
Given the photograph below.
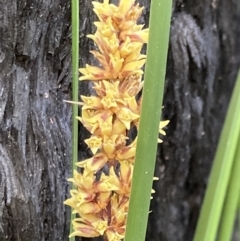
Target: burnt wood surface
x=35 y=123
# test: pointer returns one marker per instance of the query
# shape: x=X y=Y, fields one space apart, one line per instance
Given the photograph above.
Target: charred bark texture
x=35 y=123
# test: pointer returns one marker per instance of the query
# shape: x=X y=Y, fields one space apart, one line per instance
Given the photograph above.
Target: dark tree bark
x=35 y=123
x=35 y=130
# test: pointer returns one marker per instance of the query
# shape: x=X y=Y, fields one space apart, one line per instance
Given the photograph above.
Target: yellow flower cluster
x=103 y=187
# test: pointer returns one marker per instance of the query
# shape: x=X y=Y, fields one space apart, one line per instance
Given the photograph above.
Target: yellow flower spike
x=91 y=102
x=100 y=226
x=94 y=163
x=102 y=200
x=94 y=143
x=126 y=116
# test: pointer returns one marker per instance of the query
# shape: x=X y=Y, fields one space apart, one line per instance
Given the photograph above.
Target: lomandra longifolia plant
x=102 y=187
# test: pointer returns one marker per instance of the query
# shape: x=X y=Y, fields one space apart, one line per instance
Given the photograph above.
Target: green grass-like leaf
x=231 y=201
x=75 y=66
x=219 y=178
x=160 y=14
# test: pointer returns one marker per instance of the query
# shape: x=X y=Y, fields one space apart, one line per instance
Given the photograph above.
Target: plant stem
x=231 y=201
x=160 y=14
x=75 y=66
x=219 y=178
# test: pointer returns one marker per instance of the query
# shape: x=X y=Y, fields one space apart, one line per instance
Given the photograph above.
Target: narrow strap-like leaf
x=75 y=81
x=160 y=14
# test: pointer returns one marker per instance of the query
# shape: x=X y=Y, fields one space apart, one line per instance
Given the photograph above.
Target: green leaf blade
x=149 y=120
x=214 y=198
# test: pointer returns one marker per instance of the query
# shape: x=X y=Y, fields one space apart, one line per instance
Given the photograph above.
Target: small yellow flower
x=100 y=226
x=94 y=163
x=136 y=36
x=126 y=116
x=83 y=230
x=93 y=73
x=89 y=207
x=131 y=85
x=162 y=124
x=118 y=127
x=91 y=195
x=105 y=126
x=94 y=143
x=113 y=236
x=102 y=199
x=109 y=146
x=92 y=119
x=91 y=102
x=126 y=153
x=123 y=182
x=106 y=29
